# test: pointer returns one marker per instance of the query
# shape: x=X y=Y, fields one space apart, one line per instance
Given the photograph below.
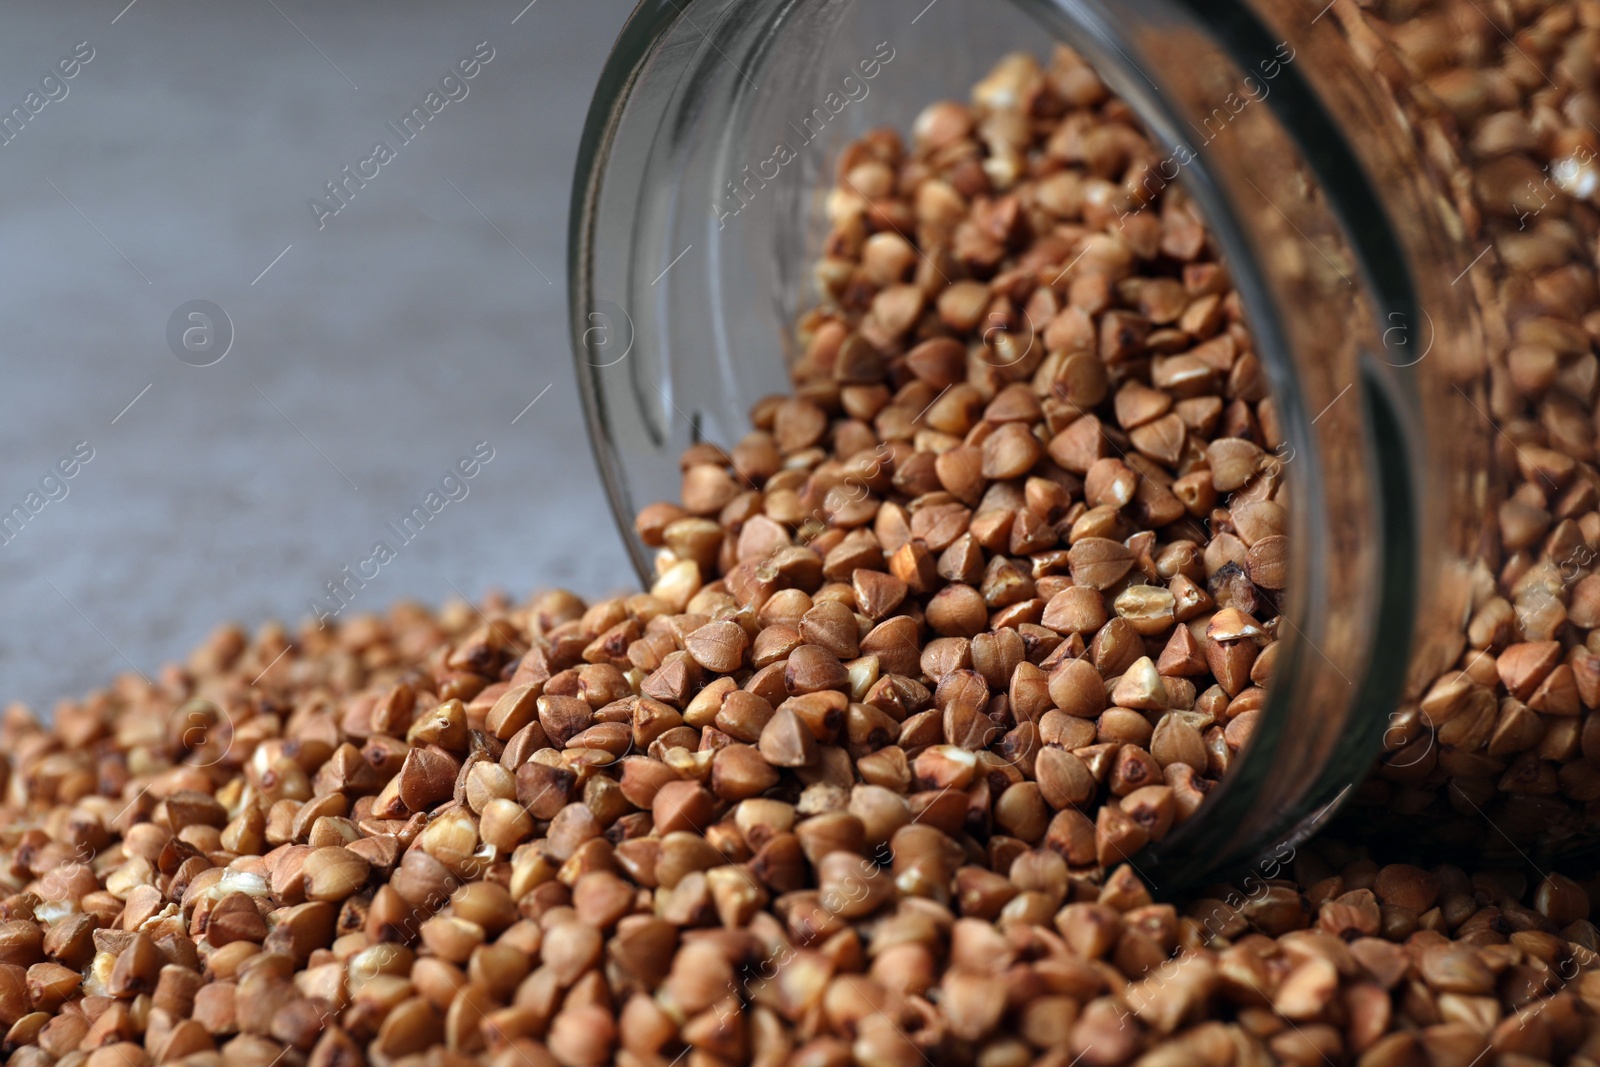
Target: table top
x=162 y=164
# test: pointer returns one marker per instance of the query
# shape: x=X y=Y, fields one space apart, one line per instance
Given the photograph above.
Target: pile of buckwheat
x=391 y=850
x=1505 y=99
x=969 y=618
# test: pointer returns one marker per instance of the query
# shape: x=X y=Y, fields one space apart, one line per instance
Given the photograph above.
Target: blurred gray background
x=368 y=355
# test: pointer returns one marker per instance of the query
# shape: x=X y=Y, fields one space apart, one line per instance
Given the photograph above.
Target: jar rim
x=640 y=34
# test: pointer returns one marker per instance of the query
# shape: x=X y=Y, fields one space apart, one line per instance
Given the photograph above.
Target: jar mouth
x=1352 y=606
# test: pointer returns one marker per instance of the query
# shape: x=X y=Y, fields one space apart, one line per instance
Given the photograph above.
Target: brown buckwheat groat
x=1022 y=510
x=985 y=605
x=223 y=866
x=1506 y=103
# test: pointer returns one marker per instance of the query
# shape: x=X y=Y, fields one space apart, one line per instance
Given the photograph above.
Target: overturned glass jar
x=1402 y=197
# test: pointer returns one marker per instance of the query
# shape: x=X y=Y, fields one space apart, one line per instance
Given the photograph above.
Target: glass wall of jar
x=1398 y=192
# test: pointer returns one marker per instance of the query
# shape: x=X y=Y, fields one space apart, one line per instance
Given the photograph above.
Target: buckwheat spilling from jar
x=1014 y=544
x=1504 y=97
x=465 y=839
x=977 y=612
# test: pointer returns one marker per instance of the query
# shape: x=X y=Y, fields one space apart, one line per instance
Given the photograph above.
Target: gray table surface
x=369 y=355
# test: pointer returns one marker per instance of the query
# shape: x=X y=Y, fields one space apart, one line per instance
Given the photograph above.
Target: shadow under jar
x=1404 y=196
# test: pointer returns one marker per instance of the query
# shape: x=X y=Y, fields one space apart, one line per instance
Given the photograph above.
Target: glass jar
x=1403 y=194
